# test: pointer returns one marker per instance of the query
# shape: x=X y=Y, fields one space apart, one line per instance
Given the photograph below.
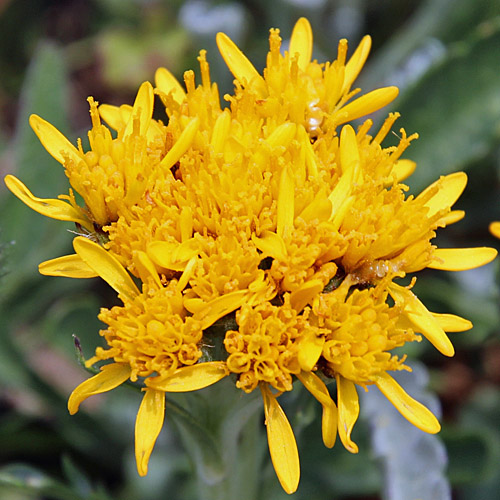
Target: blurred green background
x=445 y=57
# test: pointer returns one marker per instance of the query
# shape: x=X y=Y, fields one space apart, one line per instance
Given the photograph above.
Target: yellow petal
x=173 y=255
x=190 y=378
x=106 y=266
x=142 y=111
x=53 y=208
x=220 y=132
x=110 y=376
x=356 y=62
x=219 y=307
x=148 y=425
x=452 y=323
x=423 y=321
x=68 y=266
x=187 y=273
x=412 y=410
x=348 y=404
x=167 y=83
x=310 y=347
x=286 y=204
x=146 y=269
x=305 y=294
x=282 y=444
x=495 y=229
x=329 y=420
x=452 y=217
x=319 y=209
x=349 y=152
x=368 y=103
x=112 y=115
x=282 y=135
x=461 y=259
x=182 y=144
x=450 y=187
x=271 y=245
x=239 y=65
x=53 y=141
x=402 y=169
x=301 y=42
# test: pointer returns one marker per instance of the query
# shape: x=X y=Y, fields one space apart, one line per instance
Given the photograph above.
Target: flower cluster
x=273 y=211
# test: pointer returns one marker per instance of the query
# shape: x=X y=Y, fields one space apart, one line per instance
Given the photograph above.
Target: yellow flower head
x=273 y=217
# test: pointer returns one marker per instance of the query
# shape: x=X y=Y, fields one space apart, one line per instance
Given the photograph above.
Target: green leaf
x=31 y=237
x=455 y=108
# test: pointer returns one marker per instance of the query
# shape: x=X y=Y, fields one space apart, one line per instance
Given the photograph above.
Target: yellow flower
x=293 y=87
x=274 y=214
x=148 y=337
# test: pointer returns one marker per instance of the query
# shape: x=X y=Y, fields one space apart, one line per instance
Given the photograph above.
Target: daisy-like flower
x=274 y=215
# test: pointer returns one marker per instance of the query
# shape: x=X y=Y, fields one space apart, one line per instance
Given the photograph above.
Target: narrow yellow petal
x=187 y=273
x=340 y=197
x=412 y=410
x=146 y=269
x=106 y=266
x=110 y=376
x=142 y=110
x=452 y=217
x=402 y=169
x=182 y=145
x=148 y=425
x=319 y=209
x=167 y=83
x=348 y=404
x=310 y=348
x=53 y=208
x=329 y=420
x=495 y=229
x=282 y=135
x=53 y=141
x=112 y=115
x=461 y=259
x=368 y=103
x=172 y=255
x=349 y=152
x=305 y=294
x=271 y=245
x=68 y=266
x=219 y=307
x=450 y=189
x=356 y=62
x=286 y=204
x=301 y=42
x=239 y=65
x=281 y=441
x=220 y=132
x=452 y=323
x=190 y=378
x=423 y=321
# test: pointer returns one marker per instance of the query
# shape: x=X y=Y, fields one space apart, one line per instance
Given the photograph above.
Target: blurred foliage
x=443 y=54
